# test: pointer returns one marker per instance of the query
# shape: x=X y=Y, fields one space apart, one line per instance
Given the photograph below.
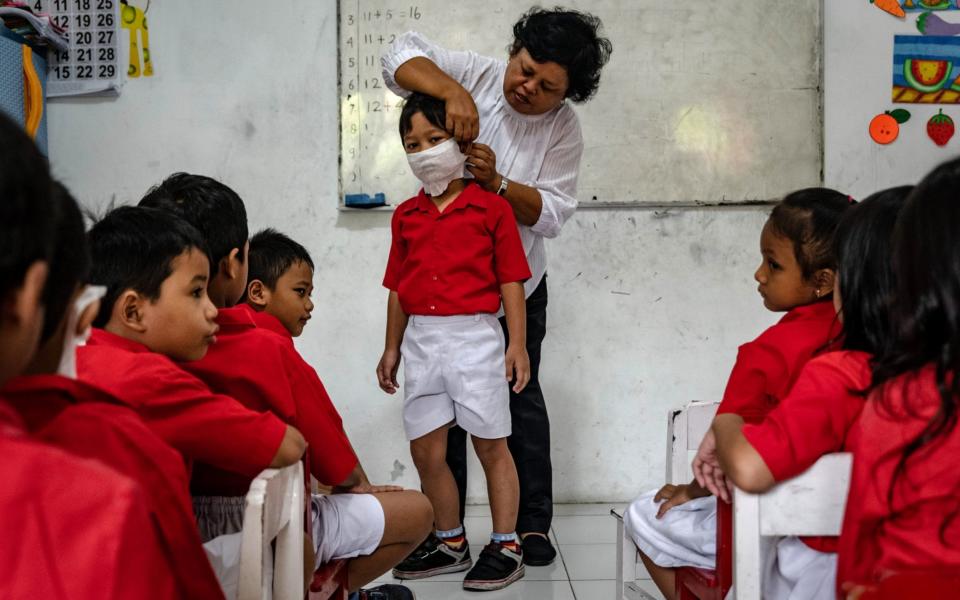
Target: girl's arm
x=390 y=361
x=740 y=461
x=515 y=310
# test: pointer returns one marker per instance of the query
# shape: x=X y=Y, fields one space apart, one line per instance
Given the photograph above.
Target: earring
x=818 y=292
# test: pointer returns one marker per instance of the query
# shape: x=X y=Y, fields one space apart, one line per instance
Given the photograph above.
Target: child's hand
x=387 y=371
x=707 y=470
x=369 y=488
x=675 y=495
x=518 y=367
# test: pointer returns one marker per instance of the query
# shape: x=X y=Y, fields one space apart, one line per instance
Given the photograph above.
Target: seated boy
x=71 y=527
x=85 y=421
x=456 y=254
x=156 y=310
x=373 y=525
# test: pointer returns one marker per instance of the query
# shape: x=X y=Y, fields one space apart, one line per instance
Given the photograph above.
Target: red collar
x=102 y=337
x=265 y=320
x=822 y=309
x=235 y=318
x=471 y=195
x=72 y=389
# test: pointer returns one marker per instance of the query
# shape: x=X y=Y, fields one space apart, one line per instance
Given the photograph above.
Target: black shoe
x=538 y=551
x=433 y=557
x=388 y=592
x=496 y=568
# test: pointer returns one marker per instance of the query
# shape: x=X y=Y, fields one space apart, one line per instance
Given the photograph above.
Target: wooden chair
x=273 y=517
x=810 y=504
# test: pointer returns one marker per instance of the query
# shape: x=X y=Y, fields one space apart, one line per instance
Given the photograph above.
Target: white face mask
x=71 y=339
x=436 y=167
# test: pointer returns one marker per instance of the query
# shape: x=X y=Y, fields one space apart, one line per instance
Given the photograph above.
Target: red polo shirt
x=73 y=528
x=815 y=418
x=767 y=367
x=453 y=263
x=85 y=421
x=919 y=529
x=264 y=372
x=181 y=409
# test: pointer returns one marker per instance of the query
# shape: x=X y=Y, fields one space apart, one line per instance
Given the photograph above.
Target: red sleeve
x=211 y=428
x=811 y=421
x=398 y=253
x=509 y=259
x=751 y=387
x=331 y=456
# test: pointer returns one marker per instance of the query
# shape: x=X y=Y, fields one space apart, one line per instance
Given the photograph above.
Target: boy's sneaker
x=497 y=567
x=387 y=592
x=433 y=557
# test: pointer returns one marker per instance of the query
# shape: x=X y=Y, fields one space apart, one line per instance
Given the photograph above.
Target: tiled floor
x=585 y=536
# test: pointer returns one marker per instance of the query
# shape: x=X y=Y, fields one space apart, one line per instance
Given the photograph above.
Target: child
x=796 y=275
x=818 y=415
x=156 y=309
x=264 y=372
x=455 y=253
x=87 y=422
x=72 y=527
x=903 y=505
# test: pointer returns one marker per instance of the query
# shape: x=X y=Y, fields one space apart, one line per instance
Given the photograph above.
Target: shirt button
x=432 y=307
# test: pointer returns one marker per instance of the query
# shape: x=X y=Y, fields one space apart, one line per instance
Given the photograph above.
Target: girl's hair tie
x=851 y=200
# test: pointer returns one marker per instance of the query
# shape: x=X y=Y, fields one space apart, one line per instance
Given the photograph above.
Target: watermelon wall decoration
x=926 y=69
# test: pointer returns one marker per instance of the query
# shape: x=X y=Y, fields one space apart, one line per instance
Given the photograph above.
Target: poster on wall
x=926 y=69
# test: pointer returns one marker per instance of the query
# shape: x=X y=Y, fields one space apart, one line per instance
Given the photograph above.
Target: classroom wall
x=647 y=306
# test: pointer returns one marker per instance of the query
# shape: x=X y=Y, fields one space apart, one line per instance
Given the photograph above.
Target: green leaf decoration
x=922 y=22
x=901 y=116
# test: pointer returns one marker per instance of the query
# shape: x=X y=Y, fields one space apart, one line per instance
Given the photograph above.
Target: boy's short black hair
x=433 y=109
x=70 y=263
x=27 y=212
x=271 y=254
x=569 y=38
x=134 y=248
x=214 y=209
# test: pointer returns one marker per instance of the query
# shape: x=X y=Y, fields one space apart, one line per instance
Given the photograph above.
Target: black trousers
x=530 y=441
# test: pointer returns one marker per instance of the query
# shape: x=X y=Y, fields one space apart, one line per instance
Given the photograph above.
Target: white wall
x=646 y=307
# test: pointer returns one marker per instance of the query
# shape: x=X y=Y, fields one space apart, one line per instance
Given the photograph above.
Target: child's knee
x=491 y=450
x=427 y=455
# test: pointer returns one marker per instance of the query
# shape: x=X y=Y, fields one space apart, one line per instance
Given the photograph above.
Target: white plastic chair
x=810 y=504
x=685 y=429
x=274 y=511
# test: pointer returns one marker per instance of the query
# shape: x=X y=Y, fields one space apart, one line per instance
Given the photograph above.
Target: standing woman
x=522 y=141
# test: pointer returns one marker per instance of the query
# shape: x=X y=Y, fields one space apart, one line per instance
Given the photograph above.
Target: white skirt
x=795 y=571
x=685 y=537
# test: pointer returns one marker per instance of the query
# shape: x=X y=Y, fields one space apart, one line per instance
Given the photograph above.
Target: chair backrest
x=810 y=504
x=685 y=429
x=274 y=511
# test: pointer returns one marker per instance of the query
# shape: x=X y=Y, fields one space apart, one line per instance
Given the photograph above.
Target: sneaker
x=497 y=567
x=388 y=592
x=538 y=551
x=433 y=557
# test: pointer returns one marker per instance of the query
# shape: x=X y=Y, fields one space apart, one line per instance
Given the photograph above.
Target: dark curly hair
x=568 y=38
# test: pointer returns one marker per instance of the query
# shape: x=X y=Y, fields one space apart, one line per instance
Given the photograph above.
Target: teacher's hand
x=482 y=164
x=463 y=120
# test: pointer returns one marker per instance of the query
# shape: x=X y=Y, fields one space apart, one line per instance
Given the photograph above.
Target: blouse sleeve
x=470 y=69
x=557 y=182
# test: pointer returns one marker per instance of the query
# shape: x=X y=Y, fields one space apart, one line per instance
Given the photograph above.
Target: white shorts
x=685 y=537
x=346 y=525
x=454 y=371
x=795 y=571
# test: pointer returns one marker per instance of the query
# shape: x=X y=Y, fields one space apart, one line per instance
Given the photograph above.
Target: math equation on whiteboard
x=372 y=160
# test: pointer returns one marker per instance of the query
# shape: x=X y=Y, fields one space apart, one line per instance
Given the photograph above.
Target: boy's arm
x=390 y=361
x=741 y=462
x=515 y=310
x=291 y=449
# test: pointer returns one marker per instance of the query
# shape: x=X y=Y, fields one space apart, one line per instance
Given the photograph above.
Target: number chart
x=91 y=63
x=373 y=167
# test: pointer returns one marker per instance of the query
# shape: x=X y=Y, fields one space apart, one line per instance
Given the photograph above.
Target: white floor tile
x=521 y=590
x=586 y=562
x=572 y=510
x=585 y=530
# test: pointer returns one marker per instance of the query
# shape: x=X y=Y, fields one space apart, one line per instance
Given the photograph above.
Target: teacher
x=523 y=142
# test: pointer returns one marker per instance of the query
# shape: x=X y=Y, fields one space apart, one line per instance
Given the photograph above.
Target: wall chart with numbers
x=92 y=63
x=699 y=105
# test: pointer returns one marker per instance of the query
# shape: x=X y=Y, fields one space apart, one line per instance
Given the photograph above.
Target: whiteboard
x=858 y=76
x=702 y=102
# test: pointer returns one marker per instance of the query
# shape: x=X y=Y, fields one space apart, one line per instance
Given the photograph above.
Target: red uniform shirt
x=920 y=529
x=264 y=372
x=815 y=418
x=72 y=528
x=85 y=421
x=181 y=409
x=767 y=367
x=453 y=263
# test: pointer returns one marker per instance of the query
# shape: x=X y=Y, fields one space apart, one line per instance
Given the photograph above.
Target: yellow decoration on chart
x=135 y=20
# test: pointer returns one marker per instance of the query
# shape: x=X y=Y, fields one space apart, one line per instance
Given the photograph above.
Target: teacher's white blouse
x=542 y=151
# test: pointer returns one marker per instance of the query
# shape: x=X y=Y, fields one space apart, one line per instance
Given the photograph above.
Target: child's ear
x=823 y=281
x=258 y=295
x=229 y=264
x=129 y=311
x=24 y=303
